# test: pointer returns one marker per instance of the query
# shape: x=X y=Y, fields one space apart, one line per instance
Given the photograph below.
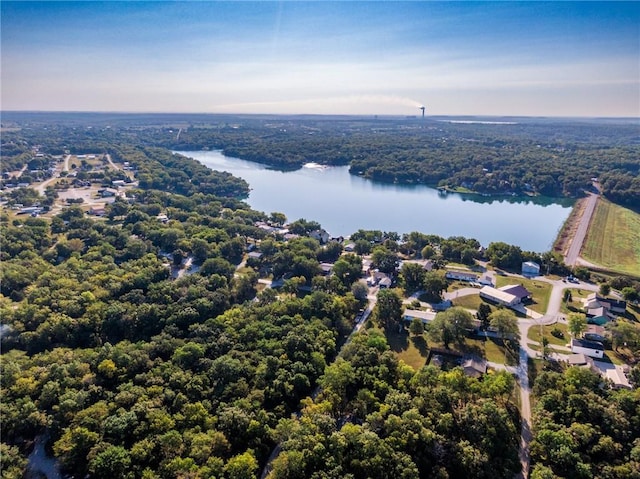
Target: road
x=40 y=188
x=581 y=232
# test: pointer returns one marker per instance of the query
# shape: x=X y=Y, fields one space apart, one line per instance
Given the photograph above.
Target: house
x=350 y=247
x=107 y=192
x=579 y=359
x=498 y=296
x=486 y=280
x=518 y=291
x=530 y=268
x=428 y=265
x=597 y=306
x=320 y=235
x=377 y=277
x=425 y=316
x=385 y=282
x=325 y=268
x=461 y=276
x=474 y=368
x=594 y=332
x=593 y=349
x=118 y=183
x=97 y=211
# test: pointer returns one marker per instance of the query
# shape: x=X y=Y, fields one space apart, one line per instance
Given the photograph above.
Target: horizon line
x=370 y=115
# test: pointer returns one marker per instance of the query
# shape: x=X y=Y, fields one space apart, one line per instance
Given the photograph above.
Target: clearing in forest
x=613 y=240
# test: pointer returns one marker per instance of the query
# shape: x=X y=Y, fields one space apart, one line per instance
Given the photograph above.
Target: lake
x=343 y=203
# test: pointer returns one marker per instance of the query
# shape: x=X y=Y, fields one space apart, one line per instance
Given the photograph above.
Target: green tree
x=605 y=289
x=360 y=290
x=576 y=324
x=482 y=314
x=242 y=466
x=434 y=284
x=412 y=276
x=504 y=321
x=114 y=461
x=630 y=294
x=450 y=326
x=348 y=269
x=389 y=309
x=384 y=259
x=416 y=327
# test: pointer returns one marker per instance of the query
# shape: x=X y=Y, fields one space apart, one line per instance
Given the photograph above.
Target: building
x=461 y=276
x=597 y=306
x=519 y=291
x=320 y=235
x=474 y=368
x=425 y=316
x=107 y=192
x=593 y=349
x=486 y=280
x=498 y=296
x=385 y=282
x=326 y=268
x=530 y=268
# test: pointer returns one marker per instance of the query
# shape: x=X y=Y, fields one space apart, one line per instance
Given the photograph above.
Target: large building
x=498 y=296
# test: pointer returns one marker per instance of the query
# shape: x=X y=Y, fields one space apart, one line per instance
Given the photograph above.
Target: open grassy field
x=613 y=239
x=536 y=333
x=540 y=291
x=414 y=350
x=471 y=301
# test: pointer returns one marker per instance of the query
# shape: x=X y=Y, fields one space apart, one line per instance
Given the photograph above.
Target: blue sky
x=476 y=58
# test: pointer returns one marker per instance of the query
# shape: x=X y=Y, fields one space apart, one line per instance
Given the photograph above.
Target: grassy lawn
x=410 y=349
x=540 y=291
x=576 y=303
x=471 y=301
x=613 y=239
x=414 y=350
x=536 y=333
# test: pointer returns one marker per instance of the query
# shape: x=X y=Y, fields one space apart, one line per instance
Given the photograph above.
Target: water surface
x=343 y=203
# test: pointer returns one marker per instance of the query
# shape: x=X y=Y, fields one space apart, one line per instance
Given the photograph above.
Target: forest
x=132 y=369
x=521 y=156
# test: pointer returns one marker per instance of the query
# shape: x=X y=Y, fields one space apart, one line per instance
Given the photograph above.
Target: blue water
x=343 y=203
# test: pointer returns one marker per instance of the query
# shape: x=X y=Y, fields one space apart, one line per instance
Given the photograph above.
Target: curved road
x=581 y=232
x=551 y=316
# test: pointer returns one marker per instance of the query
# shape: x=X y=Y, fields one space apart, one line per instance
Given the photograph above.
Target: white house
x=461 y=276
x=321 y=235
x=530 y=268
x=498 y=296
x=593 y=349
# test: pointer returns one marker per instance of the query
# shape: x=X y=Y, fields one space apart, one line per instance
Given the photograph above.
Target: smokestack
x=422 y=108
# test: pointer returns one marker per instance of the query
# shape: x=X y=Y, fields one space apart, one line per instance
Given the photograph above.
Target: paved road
x=581 y=232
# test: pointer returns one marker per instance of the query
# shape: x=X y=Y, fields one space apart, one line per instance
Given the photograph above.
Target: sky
x=363 y=58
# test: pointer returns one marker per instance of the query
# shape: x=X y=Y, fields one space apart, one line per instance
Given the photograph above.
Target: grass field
x=576 y=304
x=613 y=240
x=414 y=350
x=471 y=301
x=536 y=332
x=540 y=291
